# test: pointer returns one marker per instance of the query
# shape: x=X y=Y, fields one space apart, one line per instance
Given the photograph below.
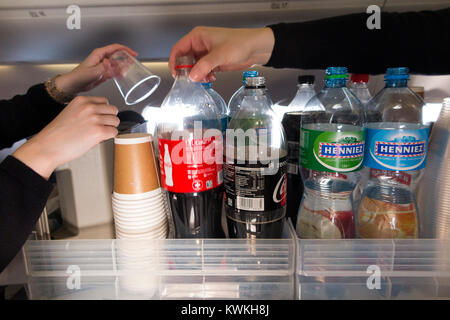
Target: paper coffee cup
x=134 y=164
x=151 y=235
x=141 y=223
x=139 y=216
x=136 y=231
x=142 y=204
x=143 y=212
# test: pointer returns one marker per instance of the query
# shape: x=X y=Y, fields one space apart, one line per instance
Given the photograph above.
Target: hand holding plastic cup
x=134 y=81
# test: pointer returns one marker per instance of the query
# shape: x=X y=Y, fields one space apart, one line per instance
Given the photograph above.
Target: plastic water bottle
x=358 y=85
x=396 y=148
x=222 y=109
x=236 y=99
x=331 y=156
x=255 y=167
x=291 y=124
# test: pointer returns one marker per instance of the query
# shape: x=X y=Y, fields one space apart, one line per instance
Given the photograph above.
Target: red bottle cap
x=360 y=77
x=184 y=66
x=184 y=62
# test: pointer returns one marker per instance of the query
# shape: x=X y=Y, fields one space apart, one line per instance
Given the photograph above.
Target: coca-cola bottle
x=191 y=154
x=255 y=168
x=291 y=124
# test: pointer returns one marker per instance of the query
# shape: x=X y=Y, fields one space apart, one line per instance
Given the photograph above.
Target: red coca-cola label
x=192 y=165
x=398 y=176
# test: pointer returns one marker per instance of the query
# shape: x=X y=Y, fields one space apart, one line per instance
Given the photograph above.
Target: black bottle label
x=256 y=186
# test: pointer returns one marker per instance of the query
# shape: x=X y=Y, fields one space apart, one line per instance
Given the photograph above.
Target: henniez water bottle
x=222 y=108
x=331 y=156
x=255 y=167
x=291 y=124
x=191 y=156
x=358 y=85
x=396 y=148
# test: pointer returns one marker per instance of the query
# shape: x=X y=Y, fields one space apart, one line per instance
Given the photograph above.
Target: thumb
x=204 y=66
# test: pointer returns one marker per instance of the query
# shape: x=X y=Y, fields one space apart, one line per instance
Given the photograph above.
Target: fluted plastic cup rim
x=145 y=96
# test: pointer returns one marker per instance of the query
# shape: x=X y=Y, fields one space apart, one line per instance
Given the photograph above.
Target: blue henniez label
x=402 y=150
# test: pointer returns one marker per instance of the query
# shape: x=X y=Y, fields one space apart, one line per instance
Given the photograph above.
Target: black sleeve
x=24 y=115
x=23 y=195
x=418 y=40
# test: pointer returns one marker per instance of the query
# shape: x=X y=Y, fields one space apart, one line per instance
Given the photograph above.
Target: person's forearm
x=262 y=42
x=24 y=115
x=32 y=154
x=23 y=195
x=418 y=40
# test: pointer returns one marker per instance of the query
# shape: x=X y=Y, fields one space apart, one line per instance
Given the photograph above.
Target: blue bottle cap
x=207 y=85
x=249 y=74
x=401 y=73
x=336 y=73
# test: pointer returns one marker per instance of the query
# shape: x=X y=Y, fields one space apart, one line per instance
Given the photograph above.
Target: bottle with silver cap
x=236 y=99
x=255 y=167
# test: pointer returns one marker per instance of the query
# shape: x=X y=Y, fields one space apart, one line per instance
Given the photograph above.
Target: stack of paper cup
x=139 y=264
x=138 y=202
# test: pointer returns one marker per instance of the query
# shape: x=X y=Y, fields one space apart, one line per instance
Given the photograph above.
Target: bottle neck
x=183 y=72
x=255 y=91
x=305 y=86
x=335 y=83
x=398 y=83
x=358 y=85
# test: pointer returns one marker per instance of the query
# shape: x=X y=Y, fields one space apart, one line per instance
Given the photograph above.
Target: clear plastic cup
x=134 y=81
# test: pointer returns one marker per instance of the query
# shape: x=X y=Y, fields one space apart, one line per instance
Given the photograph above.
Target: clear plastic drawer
x=373 y=269
x=162 y=269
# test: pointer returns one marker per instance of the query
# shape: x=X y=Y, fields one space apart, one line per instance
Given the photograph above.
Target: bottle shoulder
x=395 y=105
x=187 y=104
x=300 y=99
x=220 y=103
x=334 y=105
x=236 y=97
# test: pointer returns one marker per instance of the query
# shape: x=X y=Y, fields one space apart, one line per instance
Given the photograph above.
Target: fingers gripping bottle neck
x=190 y=138
x=183 y=66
